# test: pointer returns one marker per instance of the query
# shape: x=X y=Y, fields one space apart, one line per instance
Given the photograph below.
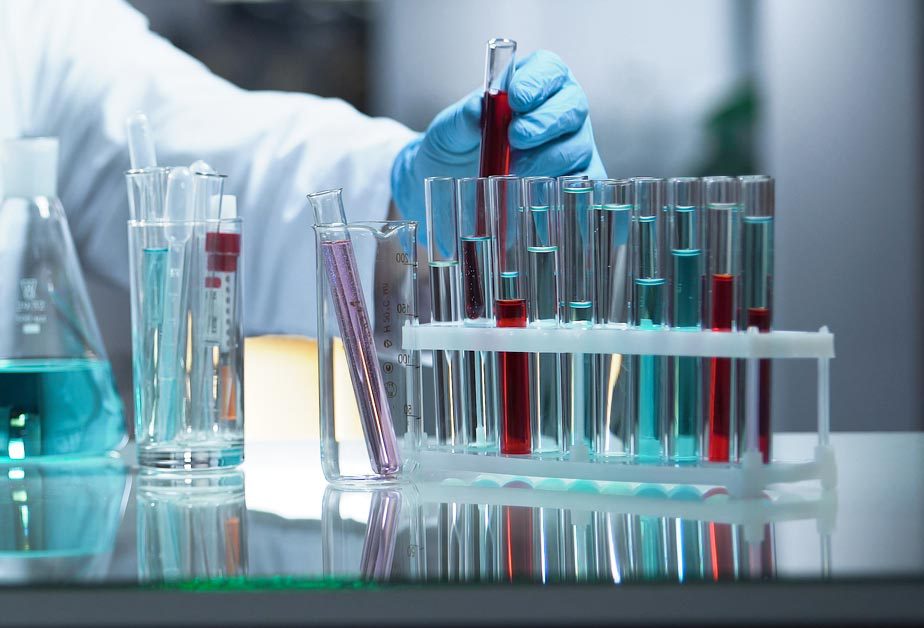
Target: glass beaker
x=187 y=343
x=191 y=526
x=385 y=271
x=57 y=394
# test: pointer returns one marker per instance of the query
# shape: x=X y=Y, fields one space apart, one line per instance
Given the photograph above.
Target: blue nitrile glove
x=550 y=134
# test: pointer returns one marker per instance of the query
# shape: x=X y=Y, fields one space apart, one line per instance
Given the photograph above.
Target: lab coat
x=75 y=70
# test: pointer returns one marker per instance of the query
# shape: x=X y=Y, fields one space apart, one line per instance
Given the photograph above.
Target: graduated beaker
x=383 y=285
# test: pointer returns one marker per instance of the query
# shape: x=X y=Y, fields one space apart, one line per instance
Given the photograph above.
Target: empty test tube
x=722 y=264
x=684 y=203
x=510 y=311
x=542 y=264
x=443 y=239
x=613 y=201
x=649 y=311
x=476 y=235
x=756 y=303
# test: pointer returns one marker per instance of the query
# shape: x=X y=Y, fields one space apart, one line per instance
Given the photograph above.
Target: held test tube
x=684 y=202
x=649 y=311
x=578 y=227
x=346 y=290
x=542 y=264
x=495 y=109
x=757 y=203
x=510 y=311
x=722 y=225
x=613 y=201
x=443 y=238
x=478 y=367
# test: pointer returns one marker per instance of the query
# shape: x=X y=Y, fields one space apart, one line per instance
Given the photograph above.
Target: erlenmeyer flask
x=57 y=394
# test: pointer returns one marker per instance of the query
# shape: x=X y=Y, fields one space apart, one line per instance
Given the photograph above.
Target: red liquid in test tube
x=719 y=398
x=495 y=145
x=514 y=383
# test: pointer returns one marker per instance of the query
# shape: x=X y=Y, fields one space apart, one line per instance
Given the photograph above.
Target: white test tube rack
x=744 y=479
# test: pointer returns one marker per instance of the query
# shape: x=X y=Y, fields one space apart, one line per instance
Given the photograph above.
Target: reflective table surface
x=100 y=542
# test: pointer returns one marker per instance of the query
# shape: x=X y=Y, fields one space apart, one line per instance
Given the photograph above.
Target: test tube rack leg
x=747 y=478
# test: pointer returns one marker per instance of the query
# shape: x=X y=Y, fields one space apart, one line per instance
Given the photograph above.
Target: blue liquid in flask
x=58 y=407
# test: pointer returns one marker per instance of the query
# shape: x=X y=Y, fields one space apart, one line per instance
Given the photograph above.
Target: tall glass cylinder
x=723 y=218
x=496 y=114
x=445 y=307
x=649 y=311
x=476 y=235
x=542 y=275
x=684 y=203
x=613 y=202
x=578 y=229
x=510 y=311
x=756 y=300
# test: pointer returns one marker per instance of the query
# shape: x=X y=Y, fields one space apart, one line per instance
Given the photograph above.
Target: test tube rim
x=501 y=42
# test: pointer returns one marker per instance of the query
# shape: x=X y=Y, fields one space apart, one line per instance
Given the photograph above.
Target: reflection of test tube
x=476 y=238
x=722 y=218
x=510 y=311
x=578 y=227
x=649 y=311
x=542 y=264
x=684 y=202
x=757 y=203
x=346 y=290
x=381 y=532
x=442 y=233
x=613 y=200
x=495 y=109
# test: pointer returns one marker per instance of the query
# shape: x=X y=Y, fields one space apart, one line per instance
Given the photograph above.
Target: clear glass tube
x=578 y=227
x=496 y=114
x=649 y=311
x=443 y=239
x=510 y=311
x=756 y=300
x=542 y=273
x=476 y=233
x=722 y=270
x=684 y=204
x=346 y=290
x=613 y=202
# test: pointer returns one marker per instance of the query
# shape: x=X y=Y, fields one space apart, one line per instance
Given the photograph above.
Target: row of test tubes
x=646 y=253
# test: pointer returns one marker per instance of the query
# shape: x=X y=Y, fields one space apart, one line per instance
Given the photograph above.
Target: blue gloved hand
x=550 y=134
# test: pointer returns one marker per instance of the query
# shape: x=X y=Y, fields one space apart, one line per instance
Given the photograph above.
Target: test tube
x=442 y=235
x=757 y=203
x=684 y=204
x=542 y=264
x=649 y=311
x=722 y=260
x=495 y=108
x=510 y=311
x=578 y=229
x=613 y=200
x=346 y=290
x=476 y=234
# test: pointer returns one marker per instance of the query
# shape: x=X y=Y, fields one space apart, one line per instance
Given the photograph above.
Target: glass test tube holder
x=746 y=478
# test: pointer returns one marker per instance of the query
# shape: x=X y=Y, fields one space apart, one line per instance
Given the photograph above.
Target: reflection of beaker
x=57 y=394
x=372 y=534
x=191 y=526
x=58 y=522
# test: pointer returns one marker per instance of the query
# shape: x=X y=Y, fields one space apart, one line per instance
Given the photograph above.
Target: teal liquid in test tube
x=649 y=312
x=686 y=267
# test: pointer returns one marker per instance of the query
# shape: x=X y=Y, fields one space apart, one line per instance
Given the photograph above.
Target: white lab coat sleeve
x=86 y=65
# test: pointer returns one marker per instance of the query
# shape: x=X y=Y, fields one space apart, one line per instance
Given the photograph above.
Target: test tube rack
x=747 y=478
